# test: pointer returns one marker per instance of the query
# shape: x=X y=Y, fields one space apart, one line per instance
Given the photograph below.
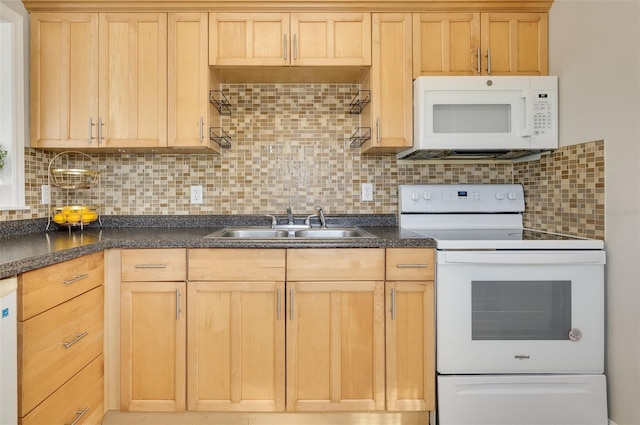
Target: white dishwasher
x=8 y=352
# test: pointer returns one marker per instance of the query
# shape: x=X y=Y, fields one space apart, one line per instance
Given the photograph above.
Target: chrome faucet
x=289 y=215
x=323 y=221
x=321 y=218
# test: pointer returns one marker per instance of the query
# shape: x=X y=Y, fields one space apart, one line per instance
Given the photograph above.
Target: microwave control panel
x=542 y=114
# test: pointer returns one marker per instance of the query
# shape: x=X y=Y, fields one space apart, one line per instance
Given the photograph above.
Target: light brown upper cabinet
x=480 y=44
x=133 y=80
x=390 y=112
x=300 y=39
x=64 y=80
x=188 y=81
x=98 y=80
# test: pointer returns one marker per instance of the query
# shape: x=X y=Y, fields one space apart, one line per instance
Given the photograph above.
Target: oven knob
x=415 y=196
x=499 y=196
x=512 y=196
x=426 y=196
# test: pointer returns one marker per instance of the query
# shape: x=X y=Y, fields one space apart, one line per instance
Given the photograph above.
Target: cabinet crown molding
x=287 y=5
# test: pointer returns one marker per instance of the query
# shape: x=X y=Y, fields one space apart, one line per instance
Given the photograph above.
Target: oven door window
x=521 y=310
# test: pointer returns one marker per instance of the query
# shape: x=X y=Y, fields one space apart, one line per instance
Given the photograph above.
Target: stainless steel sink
x=279 y=233
x=249 y=233
x=351 y=232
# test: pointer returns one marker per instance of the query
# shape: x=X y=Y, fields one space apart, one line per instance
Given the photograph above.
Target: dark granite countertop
x=21 y=252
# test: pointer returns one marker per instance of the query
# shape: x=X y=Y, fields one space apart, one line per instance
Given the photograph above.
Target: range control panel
x=461 y=198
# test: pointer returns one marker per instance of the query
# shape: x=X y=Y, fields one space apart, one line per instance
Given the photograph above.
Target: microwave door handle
x=527 y=131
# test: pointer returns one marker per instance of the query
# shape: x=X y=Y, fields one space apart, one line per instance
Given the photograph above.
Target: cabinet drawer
x=410 y=264
x=152 y=265
x=56 y=344
x=335 y=264
x=49 y=286
x=81 y=398
x=237 y=264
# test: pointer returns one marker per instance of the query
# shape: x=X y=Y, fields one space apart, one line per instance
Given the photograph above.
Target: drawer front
x=335 y=264
x=81 y=399
x=58 y=343
x=49 y=286
x=153 y=265
x=237 y=265
x=410 y=264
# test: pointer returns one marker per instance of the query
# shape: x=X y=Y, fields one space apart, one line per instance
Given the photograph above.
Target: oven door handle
x=521 y=257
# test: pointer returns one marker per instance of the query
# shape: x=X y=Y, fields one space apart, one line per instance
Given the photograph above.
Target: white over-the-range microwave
x=502 y=117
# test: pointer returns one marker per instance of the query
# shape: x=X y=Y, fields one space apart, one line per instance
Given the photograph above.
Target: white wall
x=595 y=51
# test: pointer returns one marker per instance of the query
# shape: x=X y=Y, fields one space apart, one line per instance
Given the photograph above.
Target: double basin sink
x=290 y=232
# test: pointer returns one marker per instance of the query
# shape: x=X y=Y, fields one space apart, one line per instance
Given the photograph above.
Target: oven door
x=520 y=312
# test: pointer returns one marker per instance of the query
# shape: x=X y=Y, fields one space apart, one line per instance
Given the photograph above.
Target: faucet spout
x=289 y=215
x=323 y=221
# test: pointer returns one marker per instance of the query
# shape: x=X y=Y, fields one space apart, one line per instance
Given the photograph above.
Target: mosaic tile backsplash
x=290 y=147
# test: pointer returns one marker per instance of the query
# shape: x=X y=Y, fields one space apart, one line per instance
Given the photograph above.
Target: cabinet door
x=188 y=80
x=64 y=79
x=335 y=346
x=515 y=43
x=152 y=343
x=391 y=108
x=242 y=39
x=133 y=80
x=331 y=39
x=446 y=43
x=236 y=346
x=410 y=346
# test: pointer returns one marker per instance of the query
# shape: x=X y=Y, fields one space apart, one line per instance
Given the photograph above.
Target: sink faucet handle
x=274 y=221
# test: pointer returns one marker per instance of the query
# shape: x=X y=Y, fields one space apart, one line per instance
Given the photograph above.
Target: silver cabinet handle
x=479 y=67
x=75 y=279
x=201 y=129
x=278 y=304
x=100 y=124
x=295 y=47
x=76 y=339
x=489 y=61
x=178 y=304
x=150 y=266
x=285 y=47
x=80 y=414
x=291 y=304
x=91 y=124
x=393 y=304
x=412 y=266
x=378 y=129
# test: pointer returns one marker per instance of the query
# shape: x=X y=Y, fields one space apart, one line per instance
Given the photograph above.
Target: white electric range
x=519 y=312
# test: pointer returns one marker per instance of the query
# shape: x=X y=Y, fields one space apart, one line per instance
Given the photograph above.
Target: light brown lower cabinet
x=236 y=328
x=410 y=329
x=80 y=400
x=236 y=346
x=335 y=330
x=153 y=330
x=274 y=330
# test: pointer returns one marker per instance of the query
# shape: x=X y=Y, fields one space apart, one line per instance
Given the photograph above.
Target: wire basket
x=73 y=170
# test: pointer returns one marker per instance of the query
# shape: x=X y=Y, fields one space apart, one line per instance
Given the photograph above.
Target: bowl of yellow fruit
x=74 y=215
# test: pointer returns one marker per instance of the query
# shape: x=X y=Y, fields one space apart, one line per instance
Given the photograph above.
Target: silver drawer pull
x=80 y=414
x=76 y=339
x=75 y=279
x=150 y=266
x=412 y=266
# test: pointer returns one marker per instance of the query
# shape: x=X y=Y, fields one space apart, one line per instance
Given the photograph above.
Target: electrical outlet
x=367 y=192
x=45 y=192
x=196 y=194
